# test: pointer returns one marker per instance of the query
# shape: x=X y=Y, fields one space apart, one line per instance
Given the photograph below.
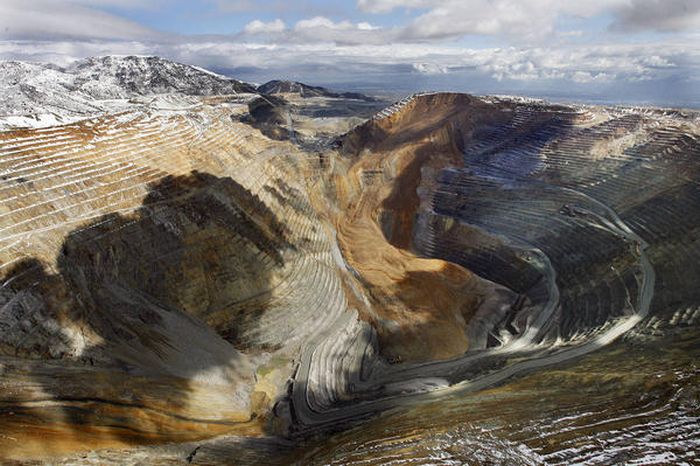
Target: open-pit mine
x=207 y=272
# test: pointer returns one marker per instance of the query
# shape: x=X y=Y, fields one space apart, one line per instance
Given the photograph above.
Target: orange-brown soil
x=420 y=307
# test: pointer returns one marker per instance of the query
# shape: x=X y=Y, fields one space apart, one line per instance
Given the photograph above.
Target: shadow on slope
x=141 y=333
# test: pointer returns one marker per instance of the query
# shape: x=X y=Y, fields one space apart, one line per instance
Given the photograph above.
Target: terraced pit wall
x=173 y=276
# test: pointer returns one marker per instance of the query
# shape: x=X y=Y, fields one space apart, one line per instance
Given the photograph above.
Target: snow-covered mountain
x=27 y=88
x=32 y=92
x=123 y=77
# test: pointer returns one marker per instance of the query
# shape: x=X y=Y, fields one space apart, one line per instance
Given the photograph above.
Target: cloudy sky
x=607 y=50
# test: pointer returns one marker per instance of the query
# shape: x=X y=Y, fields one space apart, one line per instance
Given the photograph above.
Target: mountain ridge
x=93 y=85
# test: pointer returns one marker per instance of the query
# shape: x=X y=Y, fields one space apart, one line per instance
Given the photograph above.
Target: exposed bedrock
x=421 y=307
x=168 y=299
x=145 y=298
x=174 y=276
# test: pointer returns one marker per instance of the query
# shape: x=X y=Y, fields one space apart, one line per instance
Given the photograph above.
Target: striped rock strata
x=172 y=275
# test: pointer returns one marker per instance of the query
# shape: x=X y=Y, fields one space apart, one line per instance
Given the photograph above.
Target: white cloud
x=48 y=19
x=364 y=26
x=321 y=22
x=385 y=6
x=658 y=15
x=260 y=27
x=320 y=29
x=430 y=68
x=533 y=19
x=633 y=62
x=530 y=19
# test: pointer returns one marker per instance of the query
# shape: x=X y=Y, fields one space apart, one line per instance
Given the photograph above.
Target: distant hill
x=305 y=90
